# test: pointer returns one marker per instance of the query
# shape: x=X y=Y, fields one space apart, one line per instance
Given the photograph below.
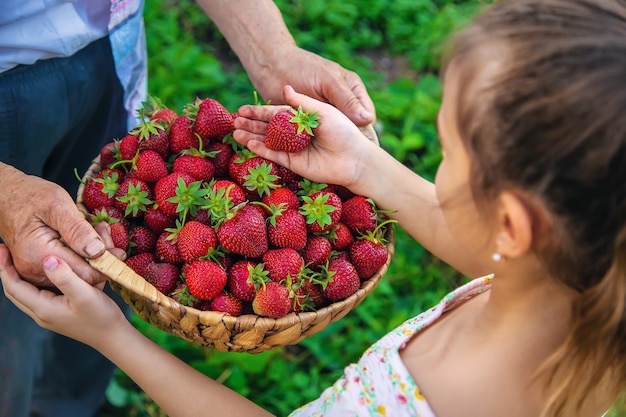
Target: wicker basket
x=246 y=333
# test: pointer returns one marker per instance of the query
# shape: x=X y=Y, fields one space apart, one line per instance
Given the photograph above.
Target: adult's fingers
x=74 y=229
x=352 y=99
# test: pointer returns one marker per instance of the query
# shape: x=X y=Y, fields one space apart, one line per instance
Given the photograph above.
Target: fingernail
x=95 y=247
x=50 y=262
x=365 y=115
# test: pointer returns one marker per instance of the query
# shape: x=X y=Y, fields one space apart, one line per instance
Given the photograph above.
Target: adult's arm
x=257 y=33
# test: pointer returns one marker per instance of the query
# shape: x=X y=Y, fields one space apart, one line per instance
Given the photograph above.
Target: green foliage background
x=395 y=46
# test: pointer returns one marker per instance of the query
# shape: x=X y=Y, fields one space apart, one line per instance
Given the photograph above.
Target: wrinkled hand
x=338 y=153
x=319 y=78
x=82 y=312
x=39 y=218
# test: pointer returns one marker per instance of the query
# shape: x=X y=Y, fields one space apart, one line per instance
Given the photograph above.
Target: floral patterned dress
x=379 y=384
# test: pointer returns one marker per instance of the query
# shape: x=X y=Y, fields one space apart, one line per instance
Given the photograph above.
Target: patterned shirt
x=379 y=384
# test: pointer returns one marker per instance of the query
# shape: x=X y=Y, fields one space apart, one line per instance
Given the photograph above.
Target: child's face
x=453 y=177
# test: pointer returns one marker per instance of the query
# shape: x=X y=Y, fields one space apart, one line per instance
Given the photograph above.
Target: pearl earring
x=496 y=257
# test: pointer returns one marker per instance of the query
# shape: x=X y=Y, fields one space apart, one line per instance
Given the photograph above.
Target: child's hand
x=337 y=154
x=82 y=312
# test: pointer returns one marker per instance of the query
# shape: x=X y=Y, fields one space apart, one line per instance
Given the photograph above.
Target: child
x=531 y=189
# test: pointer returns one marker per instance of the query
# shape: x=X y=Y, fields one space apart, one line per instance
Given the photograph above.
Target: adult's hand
x=39 y=218
x=317 y=77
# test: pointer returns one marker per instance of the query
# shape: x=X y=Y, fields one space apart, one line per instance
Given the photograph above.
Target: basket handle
x=117 y=271
x=370 y=133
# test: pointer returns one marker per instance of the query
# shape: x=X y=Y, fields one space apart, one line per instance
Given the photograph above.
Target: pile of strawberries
x=216 y=227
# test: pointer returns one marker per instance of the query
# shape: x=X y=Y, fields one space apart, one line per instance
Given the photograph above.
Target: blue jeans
x=55 y=115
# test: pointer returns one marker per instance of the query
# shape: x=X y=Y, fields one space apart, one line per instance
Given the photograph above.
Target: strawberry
x=156 y=110
x=119 y=235
x=287 y=175
x=157 y=220
x=236 y=169
x=109 y=153
x=139 y=262
x=243 y=232
x=258 y=175
x=220 y=154
x=243 y=278
x=165 y=191
x=235 y=193
x=163 y=276
x=287 y=229
x=100 y=191
x=197 y=166
x=96 y=194
x=196 y=240
x=205 y=279
x=368 y=253
x=314 y=292
x=367 y=256
x=341 y=280
x=182 y=136
x=109 y=214
x=149 y=166
x=129 y=145
x=272 y=300
x=202 y=216
x=167 y=249
x=133 y=197
x=280 y=195
x=340 y=236
x=142 y=239
x=167 y=116
x=343 y=192
x=291 y=130
x=317 y=251
x=281 y=263
x=211 y=119
x=359 y=214
x=322 y=210
x=183 y=296
x=227 y=303
x=222 y=197
x=151 y=134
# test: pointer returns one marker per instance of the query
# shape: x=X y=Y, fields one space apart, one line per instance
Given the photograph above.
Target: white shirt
x=31 y=30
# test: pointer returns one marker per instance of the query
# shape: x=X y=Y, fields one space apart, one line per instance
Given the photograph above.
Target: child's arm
x=340 y=154
x=88 y=315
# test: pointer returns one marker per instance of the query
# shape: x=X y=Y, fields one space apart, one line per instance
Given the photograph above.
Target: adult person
x=72 y=74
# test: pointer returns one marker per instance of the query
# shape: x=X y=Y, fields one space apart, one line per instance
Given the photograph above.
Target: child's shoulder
x=401 y=334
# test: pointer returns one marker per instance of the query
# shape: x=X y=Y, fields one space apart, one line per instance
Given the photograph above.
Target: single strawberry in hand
x=291 y=130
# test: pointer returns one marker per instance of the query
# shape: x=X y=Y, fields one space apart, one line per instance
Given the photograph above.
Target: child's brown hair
x=551 y=126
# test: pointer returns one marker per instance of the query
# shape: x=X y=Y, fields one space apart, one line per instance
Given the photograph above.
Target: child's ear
x=515 y=229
